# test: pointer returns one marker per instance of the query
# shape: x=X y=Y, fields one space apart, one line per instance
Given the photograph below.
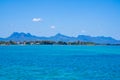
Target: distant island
x=59 y=39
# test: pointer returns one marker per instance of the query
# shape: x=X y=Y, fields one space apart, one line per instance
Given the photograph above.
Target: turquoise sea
x=56 y=62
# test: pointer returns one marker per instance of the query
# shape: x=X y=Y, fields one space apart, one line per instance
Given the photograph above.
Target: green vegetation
x=50 y=43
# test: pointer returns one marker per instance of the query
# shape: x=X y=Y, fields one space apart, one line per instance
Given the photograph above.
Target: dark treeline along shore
x=47 y=42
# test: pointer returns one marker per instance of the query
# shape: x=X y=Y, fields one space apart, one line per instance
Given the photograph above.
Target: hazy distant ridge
x=60 y=37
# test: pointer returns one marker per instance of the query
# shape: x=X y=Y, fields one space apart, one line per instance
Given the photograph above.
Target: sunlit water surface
x=59 y=62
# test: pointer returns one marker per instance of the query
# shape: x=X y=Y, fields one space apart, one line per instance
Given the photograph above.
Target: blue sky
x=69 y=17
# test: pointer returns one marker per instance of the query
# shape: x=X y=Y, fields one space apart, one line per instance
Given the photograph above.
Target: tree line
x=47 y=42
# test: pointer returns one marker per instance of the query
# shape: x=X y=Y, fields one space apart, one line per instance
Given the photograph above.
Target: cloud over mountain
x=52 y=27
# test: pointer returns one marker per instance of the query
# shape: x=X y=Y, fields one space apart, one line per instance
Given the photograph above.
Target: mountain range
x=60 y=37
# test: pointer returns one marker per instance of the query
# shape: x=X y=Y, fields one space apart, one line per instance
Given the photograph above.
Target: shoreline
x=47 y=42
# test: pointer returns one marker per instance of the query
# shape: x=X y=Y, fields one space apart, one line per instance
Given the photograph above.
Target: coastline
x=76 y=43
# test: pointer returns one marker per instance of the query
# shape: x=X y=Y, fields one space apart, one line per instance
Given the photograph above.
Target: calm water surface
x=59 y=62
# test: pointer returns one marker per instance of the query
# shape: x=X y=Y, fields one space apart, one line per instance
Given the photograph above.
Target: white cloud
x=83 y=31
x=36 y=19
x=52 y=27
